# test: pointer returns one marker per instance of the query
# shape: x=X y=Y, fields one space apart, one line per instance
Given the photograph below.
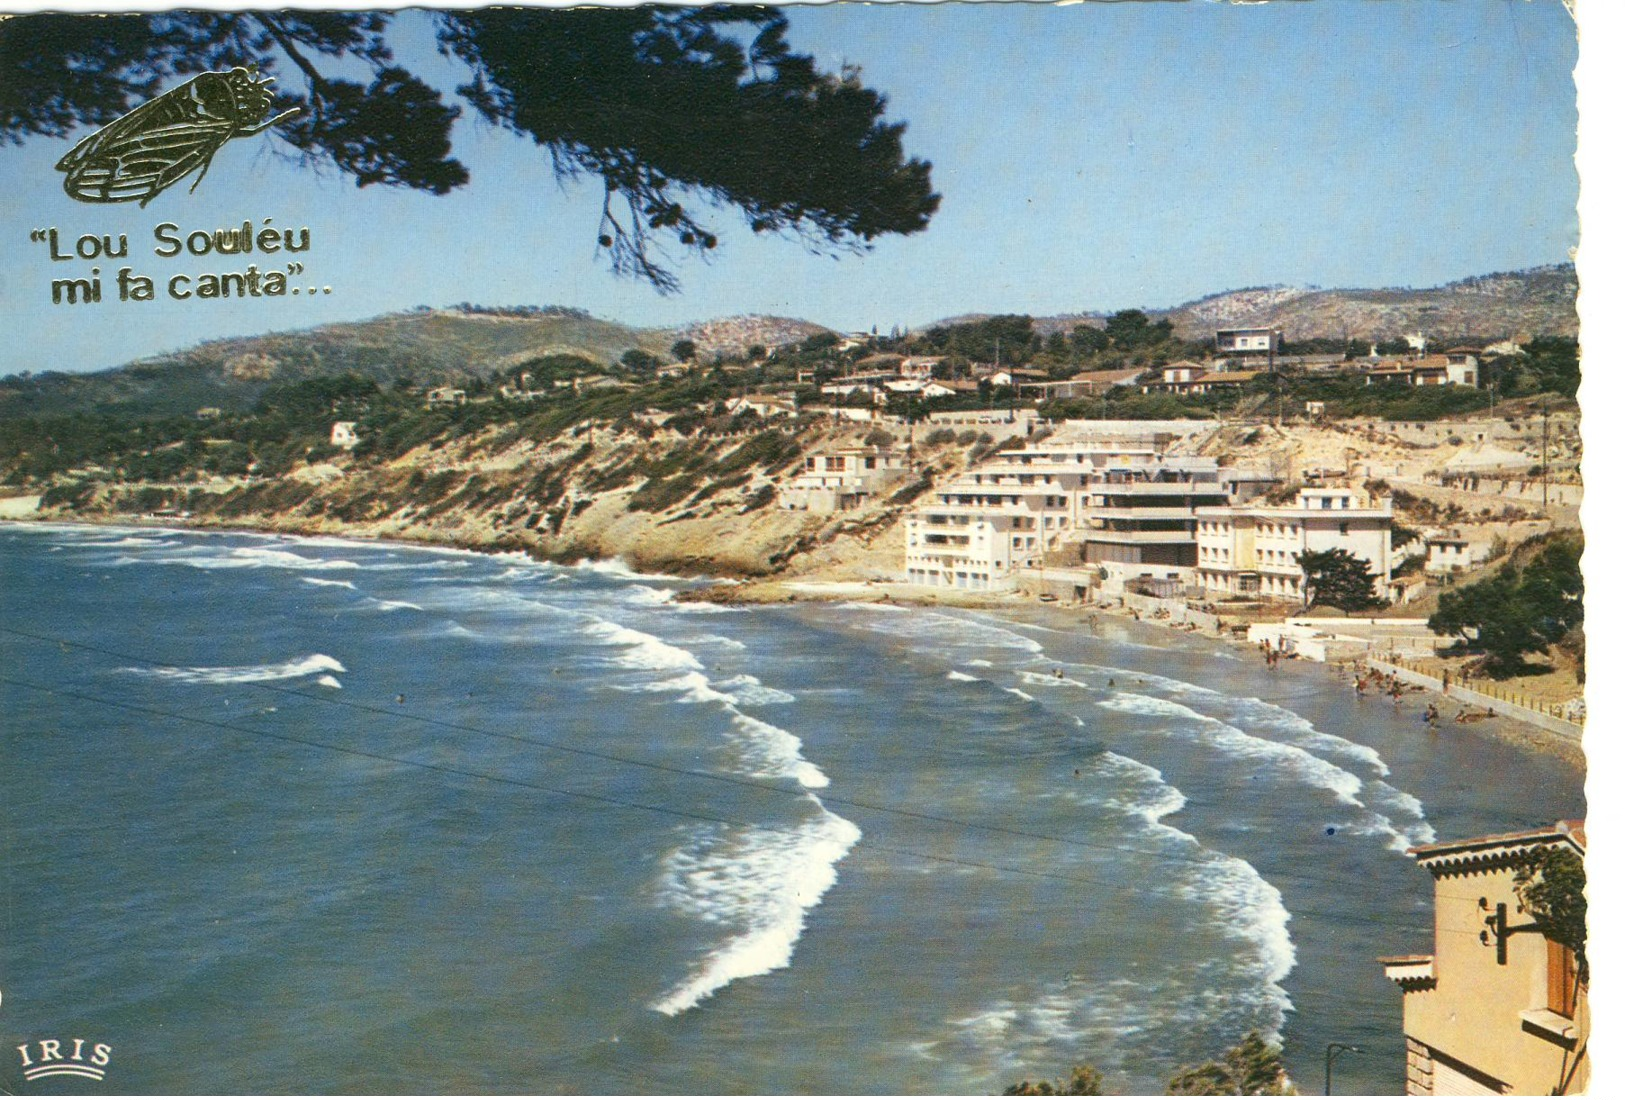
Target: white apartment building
x=842 y=479
x=1252 y=550
x=1119 y=505
x=1006 y=513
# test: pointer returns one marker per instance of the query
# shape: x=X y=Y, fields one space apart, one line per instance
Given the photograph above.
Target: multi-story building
x=1008 y=512
x=1252 y=550
x=838 y=480
x=1498 y=1007
x=1144 y=514
x=1121 y=506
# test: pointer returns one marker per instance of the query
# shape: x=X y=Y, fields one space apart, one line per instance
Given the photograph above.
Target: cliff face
x=664 y=503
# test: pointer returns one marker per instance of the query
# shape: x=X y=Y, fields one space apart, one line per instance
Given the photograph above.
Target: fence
x=1486 y=693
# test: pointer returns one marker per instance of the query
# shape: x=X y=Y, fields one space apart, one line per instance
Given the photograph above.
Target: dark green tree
x=664 y=105
x=638 y=360
x=1336 y=578
x=1087 y=339
x=1251 y=1068
x=1085 y=1081
x=1551 y=888
x=1516 y=612
x=684 y=351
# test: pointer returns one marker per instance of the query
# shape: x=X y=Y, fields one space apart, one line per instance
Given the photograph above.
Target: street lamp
x=1332 y=1051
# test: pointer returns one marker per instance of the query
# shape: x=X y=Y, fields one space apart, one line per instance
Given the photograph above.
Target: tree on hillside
x=684 y=351
x=1251 y=1068
x=664 y=105
x=1131 y=328
x=638 y=360
x=1336 y=578
x=1516 y=612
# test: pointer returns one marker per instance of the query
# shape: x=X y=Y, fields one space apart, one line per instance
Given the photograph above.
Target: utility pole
x=1545 y=435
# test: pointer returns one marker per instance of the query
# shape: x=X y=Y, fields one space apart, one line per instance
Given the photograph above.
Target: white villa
x=1252 y=550
x=343 y=434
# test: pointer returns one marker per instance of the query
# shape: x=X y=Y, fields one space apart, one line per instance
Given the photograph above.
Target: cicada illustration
x=163 y=140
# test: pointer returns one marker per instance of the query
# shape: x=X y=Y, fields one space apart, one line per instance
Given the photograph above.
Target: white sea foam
x=719 y=640
x=773 y=753
x=1044 y=678
x=690 y=687
x=978 y=662
x=392 y=605
x=131 y=540
x=1298 y=763
x=747 y=690
x=615 y=567
x=245 y=674
x=964 y=677
x=1246 y=906
x=757 y=883
x=642 y=651
x=938 y=631
x=323 y=582
x=647 y=596
x=329 y=682
x=1020 y=694
x=240 y=557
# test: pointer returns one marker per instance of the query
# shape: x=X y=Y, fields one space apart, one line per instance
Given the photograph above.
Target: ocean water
x=309 y=815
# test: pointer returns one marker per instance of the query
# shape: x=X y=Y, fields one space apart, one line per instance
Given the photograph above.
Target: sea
x=297 y=815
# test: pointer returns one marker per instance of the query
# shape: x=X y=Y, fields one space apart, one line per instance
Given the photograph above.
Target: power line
x=667 y=810
x=692 y=773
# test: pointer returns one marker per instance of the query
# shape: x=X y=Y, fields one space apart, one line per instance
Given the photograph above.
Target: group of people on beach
x=1383 y=683
x=1389 y=684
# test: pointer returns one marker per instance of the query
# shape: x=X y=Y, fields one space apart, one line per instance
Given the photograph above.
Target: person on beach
x=1431 y=715
x=1395 y=692
x=1461 y=715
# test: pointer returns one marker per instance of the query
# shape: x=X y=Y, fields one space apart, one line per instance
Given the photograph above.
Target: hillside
x=424 y=346
x=1537 y=301
x=428 y=346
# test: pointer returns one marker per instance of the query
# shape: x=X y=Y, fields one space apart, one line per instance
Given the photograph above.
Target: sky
x=1090 y=156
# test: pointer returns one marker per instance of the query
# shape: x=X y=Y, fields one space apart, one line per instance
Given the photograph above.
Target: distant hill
x=422 y=346
x=446 y=345
x=1537 y=301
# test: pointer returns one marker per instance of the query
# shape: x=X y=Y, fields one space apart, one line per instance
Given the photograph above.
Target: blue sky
x=1090 y=156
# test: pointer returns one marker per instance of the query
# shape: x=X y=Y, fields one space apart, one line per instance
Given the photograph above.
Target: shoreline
x=809 y=588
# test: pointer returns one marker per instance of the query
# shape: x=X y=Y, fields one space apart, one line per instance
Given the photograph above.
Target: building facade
x=1497 y=1008
x=1121 y=506
x=1251 y=551
x=839 y=480
x=1247 y=341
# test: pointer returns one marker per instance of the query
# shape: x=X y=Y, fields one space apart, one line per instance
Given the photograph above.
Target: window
x=1562 y=979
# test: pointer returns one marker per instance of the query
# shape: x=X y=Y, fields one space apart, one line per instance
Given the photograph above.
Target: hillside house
x=1251 y=551
x=762 y=405
x=1450 y=553
x=344 y=434
x=447 y=395
x=1497 y=1007
x=1247 y=341
x=1016 y=376
x=839 y=480
x=920 y=366
x=1084 y=384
